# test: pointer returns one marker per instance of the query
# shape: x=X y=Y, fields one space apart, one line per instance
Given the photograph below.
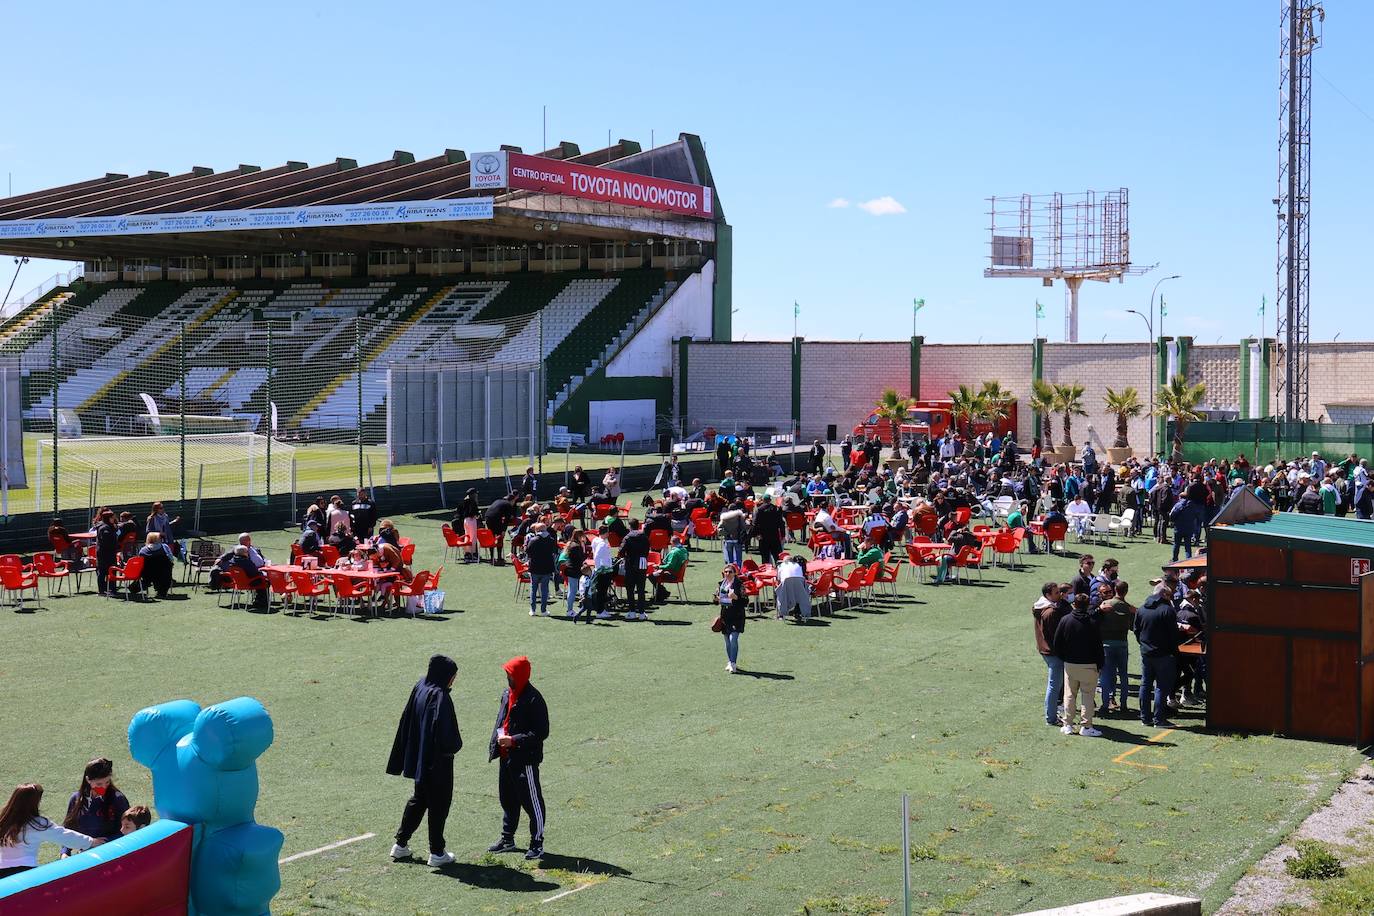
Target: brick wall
x=741 y=383
x=1339 y=373
x=944 y=367
x=841 y=381
x=1097 y=367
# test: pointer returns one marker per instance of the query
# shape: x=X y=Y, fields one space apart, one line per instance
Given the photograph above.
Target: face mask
x=98 y=791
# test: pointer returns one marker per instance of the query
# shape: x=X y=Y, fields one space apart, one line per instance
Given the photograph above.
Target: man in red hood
x=522 y=725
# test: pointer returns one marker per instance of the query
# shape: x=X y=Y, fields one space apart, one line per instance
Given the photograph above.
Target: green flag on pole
x=917 y=305
x=1039 y=309
x=1262 y=305
x=1163 y=309
x=796 y=309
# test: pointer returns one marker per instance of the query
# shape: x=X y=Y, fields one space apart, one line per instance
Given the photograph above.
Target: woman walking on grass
x=730 y=596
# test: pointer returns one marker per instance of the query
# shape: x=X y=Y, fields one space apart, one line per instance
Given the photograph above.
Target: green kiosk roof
x=1319 y=533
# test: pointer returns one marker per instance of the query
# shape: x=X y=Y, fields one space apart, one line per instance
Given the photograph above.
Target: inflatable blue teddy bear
x=205 y=774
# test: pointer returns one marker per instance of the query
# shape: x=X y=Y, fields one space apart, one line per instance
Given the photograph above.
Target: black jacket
x=769 y=525
x=633 y=548
x=428 y=729
x=529 y=726
x=1078 y=639
x=1156 y=627
x=363 y=515
x=106 y=539
x=541 y=550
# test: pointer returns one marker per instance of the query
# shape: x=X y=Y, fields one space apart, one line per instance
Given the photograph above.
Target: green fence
x=1261 y=441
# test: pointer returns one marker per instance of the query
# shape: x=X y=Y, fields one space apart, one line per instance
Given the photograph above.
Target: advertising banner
x=413 y=211
x=520 y=172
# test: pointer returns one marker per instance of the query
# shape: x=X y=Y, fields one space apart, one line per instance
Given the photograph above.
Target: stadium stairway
x=138 y=362
x=604 y=330
x=29 y=317
x=380 y=337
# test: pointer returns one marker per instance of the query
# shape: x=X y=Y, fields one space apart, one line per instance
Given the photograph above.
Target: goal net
x=130 y=472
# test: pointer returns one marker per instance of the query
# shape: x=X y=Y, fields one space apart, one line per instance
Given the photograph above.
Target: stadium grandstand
x=279 y=302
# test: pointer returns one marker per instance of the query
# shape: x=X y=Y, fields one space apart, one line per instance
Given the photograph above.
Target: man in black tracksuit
x=634 y=551
x=522 y=726
x=426 y=740
x=362 y=515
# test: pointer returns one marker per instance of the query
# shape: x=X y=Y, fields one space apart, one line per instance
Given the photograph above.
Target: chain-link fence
x=194 y=393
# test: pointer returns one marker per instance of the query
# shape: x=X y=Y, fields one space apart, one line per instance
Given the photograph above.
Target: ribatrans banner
x=522 y=172
x=413 y=211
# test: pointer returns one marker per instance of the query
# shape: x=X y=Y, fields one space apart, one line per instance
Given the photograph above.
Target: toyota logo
x=487 y=164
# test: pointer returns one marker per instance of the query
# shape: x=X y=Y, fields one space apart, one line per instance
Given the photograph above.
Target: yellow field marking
x=1121 y=758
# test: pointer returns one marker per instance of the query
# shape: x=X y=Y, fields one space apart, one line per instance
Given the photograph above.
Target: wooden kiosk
x=1291 y=644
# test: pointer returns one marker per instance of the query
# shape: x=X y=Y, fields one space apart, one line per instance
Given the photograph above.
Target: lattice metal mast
x=1300 y=35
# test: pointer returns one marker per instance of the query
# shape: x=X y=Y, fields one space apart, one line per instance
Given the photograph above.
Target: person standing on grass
x=517 y=740
x=363 y=515
x=730 y=596
x=770 y=527
x=541 y=552
x=634 y=553
x=499 y=514
x=1047 y=612
x=106 y=552
x=1156 y=632
x=427 y=737
x=732 y=529
x=1078 y=644
x=1115 y=616
x=466 y=518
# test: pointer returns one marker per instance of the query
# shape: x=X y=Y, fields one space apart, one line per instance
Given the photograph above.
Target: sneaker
x=729 y=668
x=1173 y=703
x=503 y=845
x=1053 y=723
x=734 y=669
x=531 y=612
x=436 y=861
x=1067 y=729
x=400 y=852
x=572 y=613
x=534 y=853
x=603 y=615
x=545 y=612
x=1163 y=723
x=1088 y=731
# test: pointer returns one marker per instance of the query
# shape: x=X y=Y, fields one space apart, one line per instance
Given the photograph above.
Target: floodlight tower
x=1068 y=237
x=1299 y=36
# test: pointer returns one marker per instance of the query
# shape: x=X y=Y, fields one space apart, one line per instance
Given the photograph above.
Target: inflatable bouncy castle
x=205 y=855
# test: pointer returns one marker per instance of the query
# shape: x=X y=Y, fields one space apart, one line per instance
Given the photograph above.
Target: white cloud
x=838 y=203
x=882 y=206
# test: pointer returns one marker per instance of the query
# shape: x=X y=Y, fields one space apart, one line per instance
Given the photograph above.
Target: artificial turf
x=671 y=786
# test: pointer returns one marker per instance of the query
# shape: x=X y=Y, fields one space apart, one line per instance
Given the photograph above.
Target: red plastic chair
x=46 y=566
x=486 y=540
x=417 y=586
x=306 y=587
x=1056 y=533
x=350 y=592
x=281 y=585
x=887 y=575
x=407 y=554
x=129 y=573
x=329 y=555
x=522 y=575
x=16 y=581
x=1005 y=546
x=969 y=558
x=602 y=510
x=453 y=541
x=921 y=558
x=796 y=523
x=705 y=528
x=854 y=585
x=871 y=578
x=613 y=539
x=680 y=580
x=823 y=588
x=241 y=586
x=926 y=524
x=962 y=515
x=659 y=539
x=433 y=584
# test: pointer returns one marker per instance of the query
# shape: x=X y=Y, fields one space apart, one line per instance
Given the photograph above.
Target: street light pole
x=1154 y=353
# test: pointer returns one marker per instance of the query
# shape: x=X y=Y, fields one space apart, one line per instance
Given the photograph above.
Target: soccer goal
x=132 y=471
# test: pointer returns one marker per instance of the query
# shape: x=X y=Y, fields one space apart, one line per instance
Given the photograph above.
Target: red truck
x=932 y=418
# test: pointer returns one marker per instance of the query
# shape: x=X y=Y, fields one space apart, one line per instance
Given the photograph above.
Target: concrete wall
x=841 y=381
x=687 y=313
x=751 y=381
x=1099 y=367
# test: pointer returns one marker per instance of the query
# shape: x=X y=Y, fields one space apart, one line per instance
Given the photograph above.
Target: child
x=136 y=818
x=96 y=808
x=23 y=829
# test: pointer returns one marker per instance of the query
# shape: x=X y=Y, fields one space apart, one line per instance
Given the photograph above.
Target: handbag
x=434 y=602
x=718 y=625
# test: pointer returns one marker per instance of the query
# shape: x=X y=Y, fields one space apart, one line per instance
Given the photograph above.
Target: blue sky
x=936 y=106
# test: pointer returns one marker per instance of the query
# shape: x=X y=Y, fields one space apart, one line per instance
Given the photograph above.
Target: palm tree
x=1042 y=402
x=1068 y=400
x=997 y=401
x=1124 y=405
x=1178 y=401
x=892 y=407
x=965 y=404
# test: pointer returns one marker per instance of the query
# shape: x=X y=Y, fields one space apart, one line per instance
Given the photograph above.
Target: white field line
x=566 y=893
x=315 y=852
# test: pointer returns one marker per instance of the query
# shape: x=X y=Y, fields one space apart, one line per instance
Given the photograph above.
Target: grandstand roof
x=519 y=216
